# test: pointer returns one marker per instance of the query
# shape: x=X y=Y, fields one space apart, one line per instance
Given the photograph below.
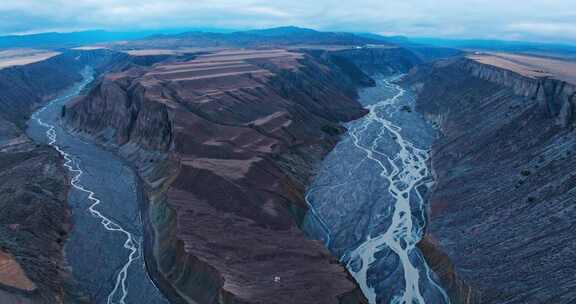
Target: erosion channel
x=367 y=202
x=105 y=249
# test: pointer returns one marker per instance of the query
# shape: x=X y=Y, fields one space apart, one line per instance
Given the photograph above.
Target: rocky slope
x=34 y=224
x=226 y=145
x=384 y=60
x=35 y=221
x=503 y=206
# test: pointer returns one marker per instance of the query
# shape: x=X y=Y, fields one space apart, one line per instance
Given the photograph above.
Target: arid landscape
x=17 y=57
x=531 y=66
x=12 y=274
x=210 y=154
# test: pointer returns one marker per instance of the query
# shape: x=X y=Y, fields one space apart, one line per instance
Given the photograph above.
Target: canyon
x=35 y=217
x=502 y=205
x=226 y=144
x=367 y=203
x=285 y=166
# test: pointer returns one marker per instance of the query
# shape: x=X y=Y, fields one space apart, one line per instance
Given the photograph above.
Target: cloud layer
x=538 y=20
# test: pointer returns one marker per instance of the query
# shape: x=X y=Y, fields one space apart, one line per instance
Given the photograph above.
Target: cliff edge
x=503 y=205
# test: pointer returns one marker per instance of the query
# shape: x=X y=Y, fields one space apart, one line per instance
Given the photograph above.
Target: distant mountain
x=424 y=51
x=279 y=36
x=562 y=50
x=427 y=48
x=74 y=39
x=389 y=39
x=438 y=47
x=58 y=40
x=283 y=30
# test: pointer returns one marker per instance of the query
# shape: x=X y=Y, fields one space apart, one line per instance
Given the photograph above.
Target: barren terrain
x=11 y=273
x=530 y=66
x=15 y=57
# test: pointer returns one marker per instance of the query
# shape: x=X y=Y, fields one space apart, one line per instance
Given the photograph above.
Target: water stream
x=367 y=203
x=105 y=246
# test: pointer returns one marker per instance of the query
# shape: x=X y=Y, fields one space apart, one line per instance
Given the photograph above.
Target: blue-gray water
x=367 y=200
x=105 y=247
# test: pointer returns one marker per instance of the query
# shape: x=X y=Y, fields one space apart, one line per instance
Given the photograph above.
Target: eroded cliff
x=226 y=144
x=385 y=60
x=35 y=221
x=503 y=205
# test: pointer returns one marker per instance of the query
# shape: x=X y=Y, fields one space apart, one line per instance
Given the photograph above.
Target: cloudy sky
x=534 y=20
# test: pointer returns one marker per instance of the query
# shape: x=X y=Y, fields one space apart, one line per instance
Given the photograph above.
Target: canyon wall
x=34 y=224
x=502 y=209
x=381 y=60
x=25 y=88
x=35 y=220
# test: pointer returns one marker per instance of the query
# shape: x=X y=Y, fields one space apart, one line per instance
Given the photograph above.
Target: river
x=367 y=205
x=105 y=247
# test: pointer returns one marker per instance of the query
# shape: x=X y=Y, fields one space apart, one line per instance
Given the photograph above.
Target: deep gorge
x=227 y=159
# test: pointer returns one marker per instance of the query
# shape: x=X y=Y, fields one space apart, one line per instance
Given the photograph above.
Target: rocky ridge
x=502 y=209
x=384 y=60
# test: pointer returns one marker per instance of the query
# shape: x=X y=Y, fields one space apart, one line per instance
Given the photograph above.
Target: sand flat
x=221 y=75
x=530 y=66
x=190 y=64
x=191 y=68
x=230 y=168
x=225 y=64
x=11 y=274
x=172 y=51
x=17 y=57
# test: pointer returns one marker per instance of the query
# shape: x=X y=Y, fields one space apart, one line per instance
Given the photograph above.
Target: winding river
x=367 y=201
x=105 y=246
